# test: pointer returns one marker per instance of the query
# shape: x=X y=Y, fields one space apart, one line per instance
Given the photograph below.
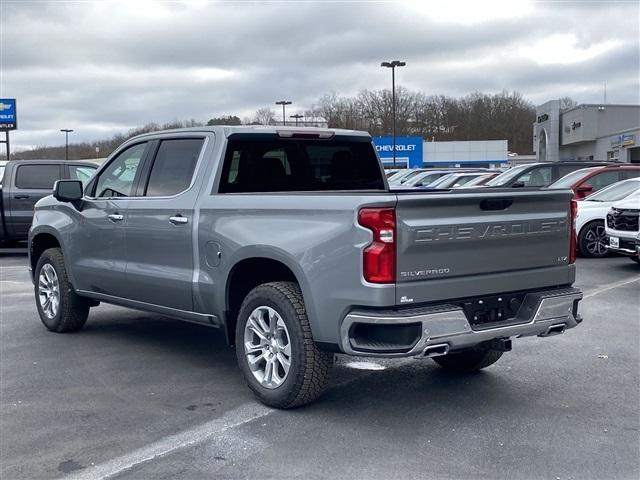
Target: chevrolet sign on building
x=8 y=116
x=408 y=151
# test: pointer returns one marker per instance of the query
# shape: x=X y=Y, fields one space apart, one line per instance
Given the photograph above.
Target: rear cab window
x=268 y=163
x=37 y=176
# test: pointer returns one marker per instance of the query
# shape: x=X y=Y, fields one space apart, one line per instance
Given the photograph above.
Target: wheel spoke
x=252 y=349
x=286 y=363
x=254 y=361
x=268 y=371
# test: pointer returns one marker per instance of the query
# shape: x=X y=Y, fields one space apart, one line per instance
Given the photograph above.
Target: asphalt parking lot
x=137 y=395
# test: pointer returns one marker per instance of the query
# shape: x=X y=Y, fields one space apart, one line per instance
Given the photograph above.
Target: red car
x=585 y=181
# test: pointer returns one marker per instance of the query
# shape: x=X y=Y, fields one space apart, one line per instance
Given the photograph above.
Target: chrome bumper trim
x=448 y=323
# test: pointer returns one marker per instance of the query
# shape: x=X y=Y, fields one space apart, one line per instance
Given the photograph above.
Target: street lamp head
x=386 y=64
x=398 y=63
x=283 y=102
x=66 y=130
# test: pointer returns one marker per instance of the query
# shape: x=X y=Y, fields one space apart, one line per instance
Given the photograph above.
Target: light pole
x=284 y=103
x=392 y=65
x=66 y=131
x=297 y=116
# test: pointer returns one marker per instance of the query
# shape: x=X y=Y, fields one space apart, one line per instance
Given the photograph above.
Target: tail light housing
x=379 y=257
x=572 y=231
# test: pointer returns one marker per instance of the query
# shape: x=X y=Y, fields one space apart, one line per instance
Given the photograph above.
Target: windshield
x=507 y=176
x=571 y=178
x=616 y=192
x=1 y=173
x=442 y=180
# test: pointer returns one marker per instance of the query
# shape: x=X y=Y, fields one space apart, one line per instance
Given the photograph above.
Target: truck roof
x=228 y=130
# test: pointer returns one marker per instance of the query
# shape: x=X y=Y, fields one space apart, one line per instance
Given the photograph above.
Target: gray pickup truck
x=23 y=183
x=291 y=242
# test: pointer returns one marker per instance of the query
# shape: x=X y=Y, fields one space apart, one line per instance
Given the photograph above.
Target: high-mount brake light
x=379 y=257
x=323 y=135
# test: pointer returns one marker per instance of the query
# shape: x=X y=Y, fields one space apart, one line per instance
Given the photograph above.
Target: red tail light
x=572 y=231
x=379 y=257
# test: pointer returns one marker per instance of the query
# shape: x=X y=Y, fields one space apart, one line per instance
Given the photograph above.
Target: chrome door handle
x=178 y=220
x=115 y=217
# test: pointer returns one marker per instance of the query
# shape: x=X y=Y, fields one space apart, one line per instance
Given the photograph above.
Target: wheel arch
x=39 y=242
x=246 y=274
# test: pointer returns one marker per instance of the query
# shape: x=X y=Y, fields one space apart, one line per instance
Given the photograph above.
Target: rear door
x=31 y=182
x=159 y=226
x=454 y=245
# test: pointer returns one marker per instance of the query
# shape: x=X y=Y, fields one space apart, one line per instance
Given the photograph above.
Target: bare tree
x=264 y=116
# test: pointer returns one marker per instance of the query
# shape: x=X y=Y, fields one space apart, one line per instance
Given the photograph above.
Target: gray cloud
x=103 y=67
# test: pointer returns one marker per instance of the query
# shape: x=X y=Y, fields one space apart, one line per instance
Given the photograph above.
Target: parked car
x=404 y=175
x=586 y=181
x=592 y=211
x=481 y=180
x=424 y=178
x=27 y=181
x=453 y=180
x=622 y=227
x=291 y=242
x=390 y=172
x=538 y=174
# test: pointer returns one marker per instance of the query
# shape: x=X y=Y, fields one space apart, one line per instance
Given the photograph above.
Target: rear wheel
x=60 y=309
x=275 y=349
x=468 y=360
x=592 y=241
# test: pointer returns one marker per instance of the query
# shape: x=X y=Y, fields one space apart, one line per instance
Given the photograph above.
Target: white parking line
x=167 y=445
x=612 y=286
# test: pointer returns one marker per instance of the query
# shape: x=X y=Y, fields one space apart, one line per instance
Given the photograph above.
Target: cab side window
x=173 y=166
x=118 y=178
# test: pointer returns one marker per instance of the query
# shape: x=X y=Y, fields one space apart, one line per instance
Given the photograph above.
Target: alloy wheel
x=267 y=347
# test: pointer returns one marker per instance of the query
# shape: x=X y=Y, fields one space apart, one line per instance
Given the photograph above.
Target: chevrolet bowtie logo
x=4 y=106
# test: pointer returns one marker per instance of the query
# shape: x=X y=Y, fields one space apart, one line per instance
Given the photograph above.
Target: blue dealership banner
x=408 y=151
x=8 y=115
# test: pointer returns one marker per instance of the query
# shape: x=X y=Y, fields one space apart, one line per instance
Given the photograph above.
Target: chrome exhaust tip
x=435 y=350
x=557 y=329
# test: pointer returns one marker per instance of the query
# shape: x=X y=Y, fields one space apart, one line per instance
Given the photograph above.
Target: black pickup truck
x=24 y=182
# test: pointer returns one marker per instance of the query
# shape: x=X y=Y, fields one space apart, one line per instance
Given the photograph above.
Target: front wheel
x=592 y=241
x=60 y=309
x=275 y=349
x=468 y=360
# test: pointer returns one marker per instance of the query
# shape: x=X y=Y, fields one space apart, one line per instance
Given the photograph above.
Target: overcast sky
x=104 y=67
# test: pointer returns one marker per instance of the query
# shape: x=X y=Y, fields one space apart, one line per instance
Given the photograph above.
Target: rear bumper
x=414 y=331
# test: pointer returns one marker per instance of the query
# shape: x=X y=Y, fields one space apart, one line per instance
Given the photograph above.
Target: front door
x=98 y=245
x=160 y=224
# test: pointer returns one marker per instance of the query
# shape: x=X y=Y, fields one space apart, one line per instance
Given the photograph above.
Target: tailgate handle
x=496 y=203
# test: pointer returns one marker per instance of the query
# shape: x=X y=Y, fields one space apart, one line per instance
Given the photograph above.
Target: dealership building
x=587 y=132
x=414 y=152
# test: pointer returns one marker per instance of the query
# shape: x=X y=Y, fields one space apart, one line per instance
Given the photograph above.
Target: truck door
x=31 y=182
x=98 y=244
x=160 y=223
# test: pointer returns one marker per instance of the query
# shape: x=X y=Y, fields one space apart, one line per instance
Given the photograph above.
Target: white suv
x=622 y=228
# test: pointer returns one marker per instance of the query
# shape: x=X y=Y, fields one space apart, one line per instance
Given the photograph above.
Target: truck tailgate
x=459 y=244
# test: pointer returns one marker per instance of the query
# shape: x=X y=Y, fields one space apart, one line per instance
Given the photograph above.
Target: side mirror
x=517 y=185
x=67 y=190
x=584 y=190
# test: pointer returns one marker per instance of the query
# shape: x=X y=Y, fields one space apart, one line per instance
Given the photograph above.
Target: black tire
x=468 y=360
x=72 y=311
x=309 y=368
x=635 y=259
x=592 y=240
